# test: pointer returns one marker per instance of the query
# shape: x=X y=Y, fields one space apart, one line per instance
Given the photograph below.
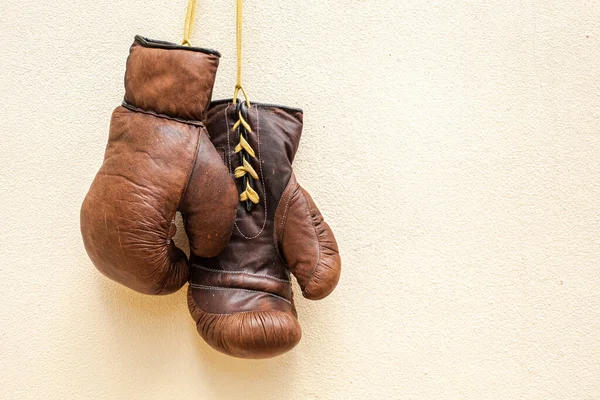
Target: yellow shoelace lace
x=188 y=27
x=246 y=169
x=249 y=194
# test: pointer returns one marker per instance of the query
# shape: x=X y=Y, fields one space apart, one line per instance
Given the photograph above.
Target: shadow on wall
x=154 y=339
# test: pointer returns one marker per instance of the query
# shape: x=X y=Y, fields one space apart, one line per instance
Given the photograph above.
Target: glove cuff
x=170 y=79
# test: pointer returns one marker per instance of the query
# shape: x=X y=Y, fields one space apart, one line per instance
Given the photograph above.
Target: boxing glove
x=158 y=160
x=242 y=299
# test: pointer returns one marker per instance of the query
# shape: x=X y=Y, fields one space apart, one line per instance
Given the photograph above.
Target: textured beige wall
x=452 y=145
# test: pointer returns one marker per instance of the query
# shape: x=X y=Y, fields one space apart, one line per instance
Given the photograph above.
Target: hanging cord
x=190 y=15
x=238 y=43
x=245 y=171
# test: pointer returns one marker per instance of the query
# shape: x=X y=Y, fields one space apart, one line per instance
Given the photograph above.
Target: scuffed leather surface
x=242 y=299
x=307 y=243
x=126 y=216
x=209 y=203
x=154 y=165
x=177 y=82
x=251 y=334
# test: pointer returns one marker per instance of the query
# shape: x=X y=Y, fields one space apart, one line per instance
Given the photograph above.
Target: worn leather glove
x=158 y=160
x=242 y=299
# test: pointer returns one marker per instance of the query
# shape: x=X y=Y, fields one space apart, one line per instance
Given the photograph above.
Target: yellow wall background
x=453 y=146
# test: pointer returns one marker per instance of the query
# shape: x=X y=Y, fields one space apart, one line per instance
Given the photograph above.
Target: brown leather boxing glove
x=242 y=299
x=158 y=160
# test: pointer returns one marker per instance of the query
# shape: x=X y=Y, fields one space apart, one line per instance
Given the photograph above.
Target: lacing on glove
x=245 y=171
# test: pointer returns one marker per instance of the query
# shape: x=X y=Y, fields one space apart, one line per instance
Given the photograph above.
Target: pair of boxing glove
x=227 y=167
